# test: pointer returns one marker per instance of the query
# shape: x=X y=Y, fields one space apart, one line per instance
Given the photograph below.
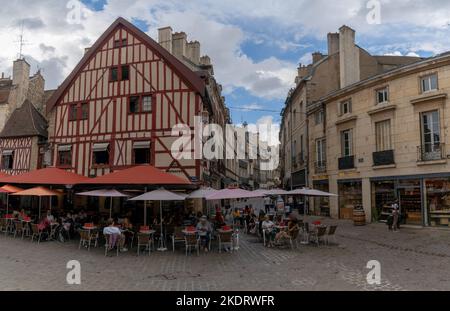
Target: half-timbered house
x=21 y=140
x=117 y=108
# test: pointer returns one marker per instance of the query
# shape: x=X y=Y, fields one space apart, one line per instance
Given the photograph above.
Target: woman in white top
x=268 y=228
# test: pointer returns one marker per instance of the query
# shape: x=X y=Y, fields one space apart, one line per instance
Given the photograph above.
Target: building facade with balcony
x=384 y=138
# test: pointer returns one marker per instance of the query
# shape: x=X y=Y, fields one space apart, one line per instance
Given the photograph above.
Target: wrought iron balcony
x=320 y=167
x=347 y=163
x=430 y=152
x=383 y=158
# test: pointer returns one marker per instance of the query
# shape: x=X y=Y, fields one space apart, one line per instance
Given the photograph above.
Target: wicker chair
x=18 y=229
x=319 y=235
x=36 y=233
x=145 y=240
x=192 y=242
x=109 y=246
x=331 y=234
x=225 y=238
x=177 y=237
x=87 y=238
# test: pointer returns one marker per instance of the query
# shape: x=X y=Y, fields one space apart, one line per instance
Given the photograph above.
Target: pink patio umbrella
x=202 y=193
x=105 y=193
x=160 y=195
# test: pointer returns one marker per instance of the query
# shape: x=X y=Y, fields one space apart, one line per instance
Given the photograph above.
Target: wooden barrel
x=359 y=217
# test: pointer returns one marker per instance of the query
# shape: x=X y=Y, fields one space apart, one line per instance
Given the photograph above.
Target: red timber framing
x=176 y=95
x=21 y=148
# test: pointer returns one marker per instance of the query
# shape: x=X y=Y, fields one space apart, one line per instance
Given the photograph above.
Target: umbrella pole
x=162 y=247
x=145 y=210
x=110 y=207
x=7 y=203
x=40 y=204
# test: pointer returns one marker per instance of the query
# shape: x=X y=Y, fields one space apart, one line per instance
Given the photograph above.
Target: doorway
x=410 y=202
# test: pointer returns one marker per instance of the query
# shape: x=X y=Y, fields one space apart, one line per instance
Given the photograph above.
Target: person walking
x=395 y=215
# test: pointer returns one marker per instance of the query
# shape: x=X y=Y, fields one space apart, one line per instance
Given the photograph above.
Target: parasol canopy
x=108 y=193
x=38 y=192
x=159 y=195
x=276 y=192
x=202 y=193
x=47 y=176
x=139 y=175
x=312 y=193
x=236 y=193
x=10 y=189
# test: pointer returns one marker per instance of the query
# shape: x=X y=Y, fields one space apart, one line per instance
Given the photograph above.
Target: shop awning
x=139 y=175
x=100 y=147
x=47 y=176
x=141 y=145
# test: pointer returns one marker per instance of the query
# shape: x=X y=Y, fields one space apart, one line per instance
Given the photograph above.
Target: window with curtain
x=383 y=135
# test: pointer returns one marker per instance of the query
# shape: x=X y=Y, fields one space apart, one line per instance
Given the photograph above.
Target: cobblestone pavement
x=413 y=259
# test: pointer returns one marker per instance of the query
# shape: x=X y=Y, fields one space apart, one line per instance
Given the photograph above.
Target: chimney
x=179 y=41
x=205 y=60
x=333 y=43
x=21 y=79
x=86 y=50
x=193 y=52
x=165 y=38
x=349 y=57
x=316 y=57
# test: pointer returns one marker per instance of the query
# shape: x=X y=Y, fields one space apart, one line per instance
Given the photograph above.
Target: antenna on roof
x=22 y=42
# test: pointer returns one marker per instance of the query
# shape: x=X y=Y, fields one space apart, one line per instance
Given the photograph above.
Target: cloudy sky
x=255 y=45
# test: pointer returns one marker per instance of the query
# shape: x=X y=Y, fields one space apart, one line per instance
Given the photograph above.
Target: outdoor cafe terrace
x=145 y=209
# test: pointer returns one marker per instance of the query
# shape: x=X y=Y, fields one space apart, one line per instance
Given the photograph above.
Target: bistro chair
x=306 y=233
x=19 y=229
x=331 y=234
x=293 y=237
x=192 y=242
x=109 y=244
x=177 y=237
x=87 y=238
x=319 y=235
x=36 y=233
x=145 y=240
x=3 y=225
x=225 y=238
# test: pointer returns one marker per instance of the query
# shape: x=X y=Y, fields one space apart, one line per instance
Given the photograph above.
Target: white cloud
x=57 y=46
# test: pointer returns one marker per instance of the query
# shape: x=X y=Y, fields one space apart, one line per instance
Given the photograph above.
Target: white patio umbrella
x=276 y=192
x=202 y=193
x=311 y=193
x=236 y=193
x=106 y=193
x=160 y=195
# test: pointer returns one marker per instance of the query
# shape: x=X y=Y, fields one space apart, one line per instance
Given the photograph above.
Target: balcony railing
x=347 y=163
x=320 y=167
x=431 y=152
x=385 y=157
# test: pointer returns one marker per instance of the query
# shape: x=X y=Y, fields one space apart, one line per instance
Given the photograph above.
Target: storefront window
x=410 y=198
x=350 y=197
x=383 y=196
x=322 y=204
x=438 y=202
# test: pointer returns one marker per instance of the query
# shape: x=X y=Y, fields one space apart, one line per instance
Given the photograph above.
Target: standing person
x=280 y=205
x=267 y=204
x=204 y=232
x=395 y=215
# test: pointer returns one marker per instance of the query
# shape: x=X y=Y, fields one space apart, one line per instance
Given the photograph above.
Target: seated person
x=22 y=214
x=204 y=232
x=50 y=217
x=251 y=224
x=118 y=239
x=44 y=225
x=289 y=233
x=219 y=220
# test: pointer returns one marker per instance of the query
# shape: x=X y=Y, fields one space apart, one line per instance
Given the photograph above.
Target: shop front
x=321 y=204
x=438 y=201
x=350 y=197
x=423 y=201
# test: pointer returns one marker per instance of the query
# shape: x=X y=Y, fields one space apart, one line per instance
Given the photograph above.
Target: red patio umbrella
x=139 y=175
x=8 y=189
x=47 y=176
x=38 y=192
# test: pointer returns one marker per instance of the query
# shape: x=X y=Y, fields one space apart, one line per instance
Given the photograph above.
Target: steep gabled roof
x=25 y=121
x=190 y=77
